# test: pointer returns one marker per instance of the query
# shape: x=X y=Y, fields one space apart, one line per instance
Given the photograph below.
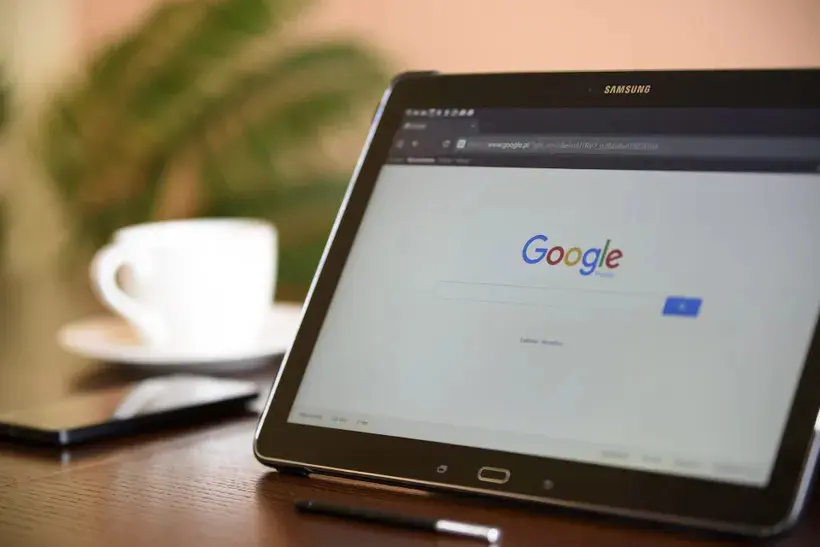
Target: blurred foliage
x=205 y=110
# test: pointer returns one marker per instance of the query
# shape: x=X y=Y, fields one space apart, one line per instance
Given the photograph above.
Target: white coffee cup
x=199 y=286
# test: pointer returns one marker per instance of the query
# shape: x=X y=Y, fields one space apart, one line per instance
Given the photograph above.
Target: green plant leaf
x=294 y=100
x=196 y=90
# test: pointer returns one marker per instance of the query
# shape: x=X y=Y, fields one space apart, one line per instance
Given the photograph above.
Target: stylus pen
x=441 y=526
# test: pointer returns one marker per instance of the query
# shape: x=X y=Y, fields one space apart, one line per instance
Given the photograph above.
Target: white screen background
x=405 y=351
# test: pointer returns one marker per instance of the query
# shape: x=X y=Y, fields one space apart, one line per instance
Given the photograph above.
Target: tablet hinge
x=293 y=471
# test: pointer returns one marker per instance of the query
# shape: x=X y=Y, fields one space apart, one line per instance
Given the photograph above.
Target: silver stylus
x=487 y=533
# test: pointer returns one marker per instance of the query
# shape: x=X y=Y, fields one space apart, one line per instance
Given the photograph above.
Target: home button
x=493 y=474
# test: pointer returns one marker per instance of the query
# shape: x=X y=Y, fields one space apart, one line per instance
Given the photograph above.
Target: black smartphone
x=133 y=408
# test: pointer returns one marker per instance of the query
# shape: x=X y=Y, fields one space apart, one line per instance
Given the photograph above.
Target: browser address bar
x=788 y=148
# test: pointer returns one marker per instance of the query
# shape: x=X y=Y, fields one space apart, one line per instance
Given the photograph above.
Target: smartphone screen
x=120 y=409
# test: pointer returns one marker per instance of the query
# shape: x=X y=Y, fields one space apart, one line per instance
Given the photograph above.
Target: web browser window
x=575 y=296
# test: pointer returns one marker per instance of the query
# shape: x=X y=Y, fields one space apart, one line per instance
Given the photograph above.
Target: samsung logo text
x=627 y=89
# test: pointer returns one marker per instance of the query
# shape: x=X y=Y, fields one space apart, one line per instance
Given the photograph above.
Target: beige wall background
x=43 y=41
x=40 y=48
x=486 y=35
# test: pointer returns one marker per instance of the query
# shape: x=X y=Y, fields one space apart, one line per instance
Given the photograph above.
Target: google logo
x=590 y=259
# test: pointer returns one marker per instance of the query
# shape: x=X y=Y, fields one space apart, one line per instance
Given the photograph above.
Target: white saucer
x=110 y=338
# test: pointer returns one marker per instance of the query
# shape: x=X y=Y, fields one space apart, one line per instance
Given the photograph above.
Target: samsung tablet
x=596 y=290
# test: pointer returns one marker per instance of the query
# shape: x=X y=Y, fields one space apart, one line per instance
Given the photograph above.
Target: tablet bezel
x=711 y=504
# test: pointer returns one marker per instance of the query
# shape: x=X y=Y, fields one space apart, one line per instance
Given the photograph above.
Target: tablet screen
x=629 y=288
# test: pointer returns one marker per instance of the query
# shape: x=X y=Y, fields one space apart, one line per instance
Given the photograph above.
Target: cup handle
x=106 y=264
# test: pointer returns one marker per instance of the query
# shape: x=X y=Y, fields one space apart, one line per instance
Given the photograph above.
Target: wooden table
x=202 y=487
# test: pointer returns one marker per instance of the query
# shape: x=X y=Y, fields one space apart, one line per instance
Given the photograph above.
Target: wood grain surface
x=205 y=488
x=200 y=486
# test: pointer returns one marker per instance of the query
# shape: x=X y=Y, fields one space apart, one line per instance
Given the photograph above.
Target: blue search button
x=682 y=306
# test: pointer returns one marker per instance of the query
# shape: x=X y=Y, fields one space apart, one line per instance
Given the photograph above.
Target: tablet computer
x=597 y=290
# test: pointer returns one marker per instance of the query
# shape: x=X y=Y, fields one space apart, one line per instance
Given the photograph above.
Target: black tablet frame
x=718 y=506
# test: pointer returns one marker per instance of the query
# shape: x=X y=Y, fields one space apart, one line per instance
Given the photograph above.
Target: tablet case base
x=799 y=503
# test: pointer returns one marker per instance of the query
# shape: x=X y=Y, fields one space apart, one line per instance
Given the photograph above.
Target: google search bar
x=581 y=301
x=786 y=148
x=523 y=295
